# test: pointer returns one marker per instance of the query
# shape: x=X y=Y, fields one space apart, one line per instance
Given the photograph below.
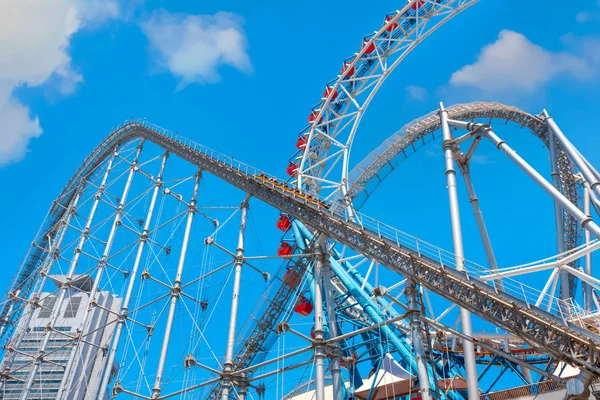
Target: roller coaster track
x=367 y=175
x=545 y=331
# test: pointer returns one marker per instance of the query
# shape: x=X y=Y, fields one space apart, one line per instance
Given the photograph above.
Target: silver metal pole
x=63 y=290
x=558 y=214
x=85 y=322
x=483 y=233
x=239 y=261
x=465 y=316
x=585 y=220
x=133 y=276
x=410 y=292
x=175 y=291
x=588 y=301
x=334 y=364
x=242 y=387
x=319 y=333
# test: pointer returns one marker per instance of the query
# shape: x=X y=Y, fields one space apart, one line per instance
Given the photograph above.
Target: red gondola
x=370 y=47
x=313 y=116
x=303 y=306
x=418 y=3
x=291 y=278
x=283 y=222
x=301 y=142
x=285 y=249
x=291 y=169
x=328 y=91
x=391 y=27
x=347 y=67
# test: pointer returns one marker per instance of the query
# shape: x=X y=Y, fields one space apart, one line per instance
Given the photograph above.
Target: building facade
x=87 y=360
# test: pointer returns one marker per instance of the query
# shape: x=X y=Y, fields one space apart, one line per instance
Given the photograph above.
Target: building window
x=72 y=307
x=63 y=328
x=48 y=305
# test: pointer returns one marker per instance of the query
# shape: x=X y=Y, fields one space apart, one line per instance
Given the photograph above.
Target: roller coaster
x=148 y=278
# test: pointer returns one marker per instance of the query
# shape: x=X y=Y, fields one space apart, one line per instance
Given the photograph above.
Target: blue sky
x=67 y=81
x=241 y=77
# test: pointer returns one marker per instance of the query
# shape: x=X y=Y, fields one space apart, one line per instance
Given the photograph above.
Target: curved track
x=367 y=175
x=326 y=142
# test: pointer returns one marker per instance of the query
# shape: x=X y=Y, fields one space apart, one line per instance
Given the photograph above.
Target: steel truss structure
x=423 y=264
x=138 y=283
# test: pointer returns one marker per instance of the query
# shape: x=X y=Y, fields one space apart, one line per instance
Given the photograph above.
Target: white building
x=89 y=359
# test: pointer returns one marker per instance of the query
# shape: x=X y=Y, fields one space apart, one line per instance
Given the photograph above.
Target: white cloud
x=193 y=47
x=99 y=10
x=587 y=46
x=16 y=128
x=416 y=92
x=34 y=49
x=584 y=16
x=513 y=63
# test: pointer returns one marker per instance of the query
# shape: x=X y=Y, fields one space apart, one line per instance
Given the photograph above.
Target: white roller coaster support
x=483 y=233
x=588 y=302
x=86 y=322
x=529 y=268
x=558 y=214
x=335 y=351
x=132 y=280
x=235 y=297
x=549 y=283
x=63 y=290
x=465 y=315
x=585 y=220
x=176 y=290
x=319 y=332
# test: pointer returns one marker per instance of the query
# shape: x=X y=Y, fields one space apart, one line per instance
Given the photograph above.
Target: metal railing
x=531 y=296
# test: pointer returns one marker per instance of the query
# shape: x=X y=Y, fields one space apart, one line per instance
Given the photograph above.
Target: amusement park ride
x=140 y=284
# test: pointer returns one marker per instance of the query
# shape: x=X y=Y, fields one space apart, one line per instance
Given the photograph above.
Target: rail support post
x=465 y=315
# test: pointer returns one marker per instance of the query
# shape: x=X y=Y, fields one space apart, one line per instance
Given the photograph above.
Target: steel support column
x=587 y=291
x=132 y=280
x=318 y=330
x=465 y=315
x=334 y=364
x=175 y=291
x=239 y=261
x=483 y=233
x=410 y=292
x=63 y=290
x=62 y=391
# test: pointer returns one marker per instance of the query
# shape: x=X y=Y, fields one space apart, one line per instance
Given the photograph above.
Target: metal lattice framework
x=368 y=174
x=119 y=293
x=324 y=159
x=515 y=313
